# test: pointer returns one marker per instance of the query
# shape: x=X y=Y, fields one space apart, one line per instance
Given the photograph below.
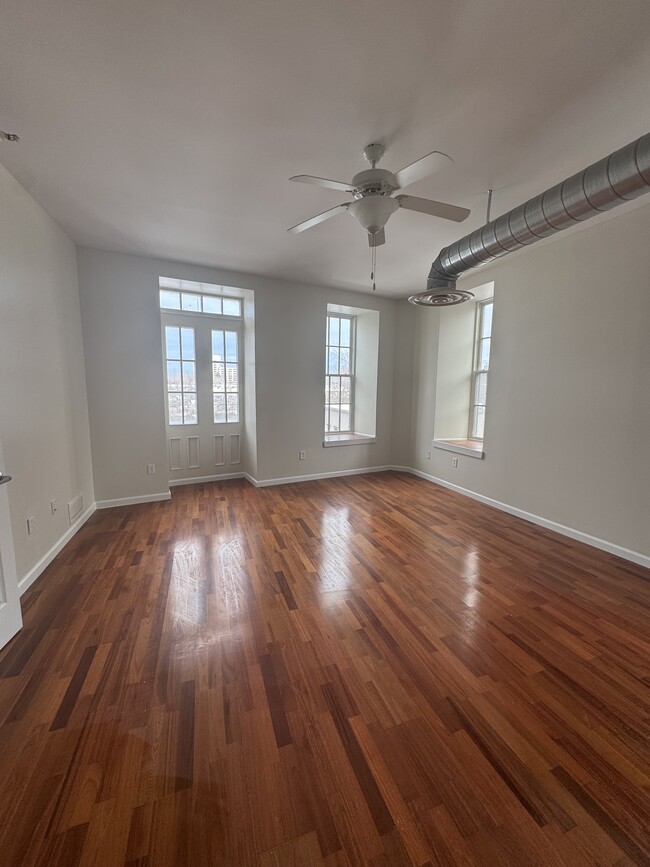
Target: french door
x=204 y=406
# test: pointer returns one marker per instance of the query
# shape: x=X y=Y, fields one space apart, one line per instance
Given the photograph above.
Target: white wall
x=119 y=299
x=124 y=378
x=406 y=321
x=250 y=388
x=454 y=372
x=366 y=351
x=568 y=418
x=290 y=340
x=43 y=411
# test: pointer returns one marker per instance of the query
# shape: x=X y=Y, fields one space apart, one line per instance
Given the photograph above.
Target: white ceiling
x=171 y=127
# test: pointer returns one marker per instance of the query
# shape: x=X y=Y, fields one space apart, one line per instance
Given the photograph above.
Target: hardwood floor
x=360 y=671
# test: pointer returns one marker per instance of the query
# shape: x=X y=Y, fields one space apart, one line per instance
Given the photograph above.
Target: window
x=480 y=369
x=351 y=371
x=192 y=302
x=180 y=368
x=225 y=376
x=463 y=355
x=339 y=374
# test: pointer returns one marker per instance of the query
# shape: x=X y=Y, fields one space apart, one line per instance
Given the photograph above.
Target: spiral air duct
x=621 y=176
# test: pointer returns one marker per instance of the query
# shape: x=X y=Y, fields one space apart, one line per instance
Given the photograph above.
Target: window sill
x=471 y=448
x=347 y=439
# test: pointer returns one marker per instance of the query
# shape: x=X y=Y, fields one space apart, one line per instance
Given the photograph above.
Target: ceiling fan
x=372 y=191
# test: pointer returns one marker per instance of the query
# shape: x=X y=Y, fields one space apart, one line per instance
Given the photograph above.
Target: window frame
x=352 y=374
x=479 y=371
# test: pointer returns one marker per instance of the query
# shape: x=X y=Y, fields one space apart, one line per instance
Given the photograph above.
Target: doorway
x=202 y=342
x=11 y=618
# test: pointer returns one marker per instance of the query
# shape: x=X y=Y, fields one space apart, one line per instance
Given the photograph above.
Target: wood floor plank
x=369 y=671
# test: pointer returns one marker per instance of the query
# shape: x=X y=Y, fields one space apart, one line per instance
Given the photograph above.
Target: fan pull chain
x=373 y=265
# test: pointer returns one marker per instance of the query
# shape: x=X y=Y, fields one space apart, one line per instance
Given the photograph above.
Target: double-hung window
x=480 y=369
x=339 y=374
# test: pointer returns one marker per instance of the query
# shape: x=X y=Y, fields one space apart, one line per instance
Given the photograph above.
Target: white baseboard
x=133 y=501
x=578 y=535
x=570 y=532
x=174 y=483
x=289 y=480
x=26 y=582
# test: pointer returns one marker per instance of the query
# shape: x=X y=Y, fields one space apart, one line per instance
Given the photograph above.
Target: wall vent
x=75 y=507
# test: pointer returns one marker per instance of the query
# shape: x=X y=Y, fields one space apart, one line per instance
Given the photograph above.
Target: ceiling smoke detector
x=435 y=298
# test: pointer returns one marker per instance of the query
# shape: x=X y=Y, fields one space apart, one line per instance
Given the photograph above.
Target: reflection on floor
x=359 y=671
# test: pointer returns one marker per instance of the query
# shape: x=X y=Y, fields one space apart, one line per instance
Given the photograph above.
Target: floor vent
x=75 y=507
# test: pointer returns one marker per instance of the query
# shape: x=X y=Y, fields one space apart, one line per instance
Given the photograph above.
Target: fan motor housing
x=374 y=182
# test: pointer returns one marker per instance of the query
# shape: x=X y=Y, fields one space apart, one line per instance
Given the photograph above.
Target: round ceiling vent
x=436 y=298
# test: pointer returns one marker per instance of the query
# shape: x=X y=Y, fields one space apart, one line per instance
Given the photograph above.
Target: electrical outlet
x=428 y=456
x=53 y=506
x=454 y=462
x=31 y=526
x=302 y=455
x=151 y=469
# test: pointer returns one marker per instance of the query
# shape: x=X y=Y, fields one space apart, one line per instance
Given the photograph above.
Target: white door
x=11 y=618
x=204 y=395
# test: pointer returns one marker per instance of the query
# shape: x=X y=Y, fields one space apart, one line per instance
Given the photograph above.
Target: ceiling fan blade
x=377 y=239
x=429 y=164
x=319 y=218
x=436 y=209
x=322 y=182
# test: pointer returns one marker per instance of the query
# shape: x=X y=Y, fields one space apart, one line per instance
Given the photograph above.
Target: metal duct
x=622 y=176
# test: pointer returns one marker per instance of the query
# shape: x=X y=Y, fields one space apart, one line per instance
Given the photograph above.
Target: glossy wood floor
x=361 y=671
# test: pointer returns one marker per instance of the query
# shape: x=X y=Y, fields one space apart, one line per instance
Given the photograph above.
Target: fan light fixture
x=373 y=212
x=372 y=191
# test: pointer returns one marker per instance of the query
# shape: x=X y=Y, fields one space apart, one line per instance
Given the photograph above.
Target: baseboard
x=290 y=480
x=26 y=582
x=578 y=535
x=570 y=532
x=175 y=483
x=133 y=501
